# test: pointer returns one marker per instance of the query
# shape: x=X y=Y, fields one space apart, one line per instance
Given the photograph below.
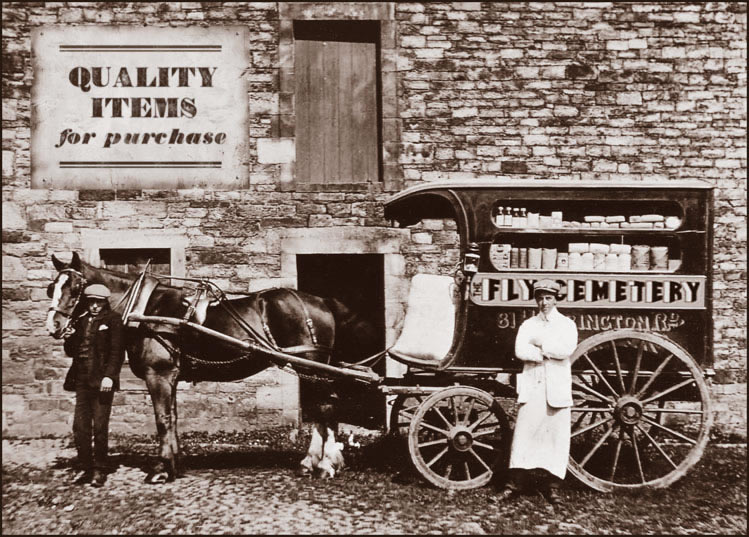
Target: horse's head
x=66 y=292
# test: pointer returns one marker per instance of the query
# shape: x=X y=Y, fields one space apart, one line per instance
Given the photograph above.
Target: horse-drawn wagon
x=634 y=262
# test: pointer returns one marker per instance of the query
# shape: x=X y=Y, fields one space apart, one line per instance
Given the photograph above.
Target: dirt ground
x=243 y=484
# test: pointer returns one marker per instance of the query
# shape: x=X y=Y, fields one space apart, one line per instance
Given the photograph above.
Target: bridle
x=77 y=299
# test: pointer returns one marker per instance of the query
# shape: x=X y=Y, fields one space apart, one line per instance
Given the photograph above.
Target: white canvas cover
x=430 y=318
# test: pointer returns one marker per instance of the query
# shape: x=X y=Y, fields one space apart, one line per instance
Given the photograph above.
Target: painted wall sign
x=594 y=291
x=128 y=107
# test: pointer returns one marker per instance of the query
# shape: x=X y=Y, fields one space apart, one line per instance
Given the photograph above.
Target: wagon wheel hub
x=461 y=438
x=628 y=410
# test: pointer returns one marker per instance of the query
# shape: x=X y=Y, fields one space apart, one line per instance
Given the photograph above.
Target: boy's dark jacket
x=108 y=350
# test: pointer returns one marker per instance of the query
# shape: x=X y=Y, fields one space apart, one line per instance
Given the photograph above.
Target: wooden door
x=336 y=111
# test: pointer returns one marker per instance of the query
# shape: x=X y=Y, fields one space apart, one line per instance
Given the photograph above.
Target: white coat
x=554 y=338
x=542 y=428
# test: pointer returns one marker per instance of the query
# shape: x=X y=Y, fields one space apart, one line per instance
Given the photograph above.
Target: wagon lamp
x=471 y=260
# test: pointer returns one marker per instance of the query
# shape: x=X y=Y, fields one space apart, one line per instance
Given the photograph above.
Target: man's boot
x=99 y=478
x=83 y=477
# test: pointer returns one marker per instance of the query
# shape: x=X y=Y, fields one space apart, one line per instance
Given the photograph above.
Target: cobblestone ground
x=240 y=488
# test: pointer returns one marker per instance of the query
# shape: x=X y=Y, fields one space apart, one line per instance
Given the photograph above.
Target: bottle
x=508 y=216
x=515 y=217
x=500 y=218
x=523 y=218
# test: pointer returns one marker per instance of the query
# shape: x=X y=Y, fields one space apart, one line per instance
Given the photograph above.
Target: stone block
x=58 y=227
x=276 y=151
x=514 y=166
x=674 y=52
x=14 y=403
x=465 y=112
x=13 y=269
x=9 y=164
x=629 y=98
x=14 y=216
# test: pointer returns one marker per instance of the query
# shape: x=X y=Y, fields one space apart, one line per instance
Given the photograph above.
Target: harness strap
x=307 y=319
x=269 y=335
x=227 y=306
x=192 y=303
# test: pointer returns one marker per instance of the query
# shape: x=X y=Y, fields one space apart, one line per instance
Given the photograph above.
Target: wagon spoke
x=436 y=429
x=584 y=381
x=448 y=471
x=666 y=392
x=590 y=409
x=616 y=456
x=598 y=445
x=591 y=427
x=669 y=430
x=657 y=372
x=433 y=442
x=484 y=432
x=468 y=412
x=410 y=410
x=479 y=421
x=618 y=366
x=600 y=375
x=637 y=454
x=592 y=392
x=636 y=371
x=470 y=450
x=437 y=457
x=580 y=419
x=437 y=410
x=481 y=444
x=673 y=411
x=657 y=446
x=468 y=471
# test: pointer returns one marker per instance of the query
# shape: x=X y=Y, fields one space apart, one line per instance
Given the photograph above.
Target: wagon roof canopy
x=435 y=199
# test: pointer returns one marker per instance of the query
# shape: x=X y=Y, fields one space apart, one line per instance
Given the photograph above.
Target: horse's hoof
x=158 y=478
x=303 y=471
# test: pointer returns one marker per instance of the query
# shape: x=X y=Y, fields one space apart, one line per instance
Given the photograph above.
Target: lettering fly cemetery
x=594 y=291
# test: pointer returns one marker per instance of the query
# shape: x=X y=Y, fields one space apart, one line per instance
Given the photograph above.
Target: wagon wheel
x=642 y=412
x=459 y=437
x=402 y=412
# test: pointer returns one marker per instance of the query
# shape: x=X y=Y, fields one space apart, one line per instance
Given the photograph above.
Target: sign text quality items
x=123 y=107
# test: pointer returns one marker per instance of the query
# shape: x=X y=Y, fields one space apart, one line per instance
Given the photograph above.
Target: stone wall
x=591 y=91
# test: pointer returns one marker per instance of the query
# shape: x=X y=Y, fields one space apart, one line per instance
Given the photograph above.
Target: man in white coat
x=541 y=439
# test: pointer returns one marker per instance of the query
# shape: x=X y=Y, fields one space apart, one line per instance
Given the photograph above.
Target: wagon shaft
x=279 y=358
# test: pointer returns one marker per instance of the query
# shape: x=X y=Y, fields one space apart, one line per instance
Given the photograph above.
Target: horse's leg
x=314 y=452
x=161 y=379
x=324 y=456
x=332 y=459
x=176 y=450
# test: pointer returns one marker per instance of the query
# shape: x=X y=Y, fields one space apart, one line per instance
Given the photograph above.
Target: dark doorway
x=357 y=280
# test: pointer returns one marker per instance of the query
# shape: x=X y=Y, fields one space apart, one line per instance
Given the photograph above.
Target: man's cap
x=547 y=285
x=96 y=290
